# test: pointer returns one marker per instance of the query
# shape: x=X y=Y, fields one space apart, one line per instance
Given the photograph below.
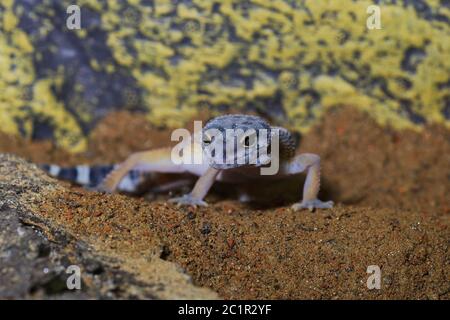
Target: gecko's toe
x=95 y=189
x=312 y=204
x=188 y=200
x=102 y=188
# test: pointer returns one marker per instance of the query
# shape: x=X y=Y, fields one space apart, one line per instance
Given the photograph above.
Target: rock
x=35 y=253
x=172 y=60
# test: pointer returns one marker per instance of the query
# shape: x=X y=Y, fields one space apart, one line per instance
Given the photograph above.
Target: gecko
x=239 y=170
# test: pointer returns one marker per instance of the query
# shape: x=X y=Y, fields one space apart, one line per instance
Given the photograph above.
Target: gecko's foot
x=312 y=204
x=188 y=200
x=102 y=188
x=95 y=189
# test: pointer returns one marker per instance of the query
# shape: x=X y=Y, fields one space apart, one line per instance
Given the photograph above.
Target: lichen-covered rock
x=35 y=251
x=287 y=60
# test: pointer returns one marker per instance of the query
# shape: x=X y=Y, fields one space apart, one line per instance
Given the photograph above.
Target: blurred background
x=174 y=60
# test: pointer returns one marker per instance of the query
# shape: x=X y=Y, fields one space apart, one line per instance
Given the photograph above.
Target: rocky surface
x=133 y=248
x=172 y=60
x=36 y=252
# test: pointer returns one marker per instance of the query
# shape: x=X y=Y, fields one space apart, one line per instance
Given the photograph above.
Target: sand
x=393 y=208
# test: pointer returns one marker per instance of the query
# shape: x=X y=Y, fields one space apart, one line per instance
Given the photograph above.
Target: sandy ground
x=392 y=210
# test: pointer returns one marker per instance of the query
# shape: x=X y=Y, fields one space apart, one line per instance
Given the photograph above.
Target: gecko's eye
x=206 y=139
x=248 y=141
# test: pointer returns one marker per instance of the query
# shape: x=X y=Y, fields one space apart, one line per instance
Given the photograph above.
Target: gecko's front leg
x=157 y=160
x=201 y=188
x=311 y=163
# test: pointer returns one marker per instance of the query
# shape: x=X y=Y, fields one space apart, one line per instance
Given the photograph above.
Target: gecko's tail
x=91 y=176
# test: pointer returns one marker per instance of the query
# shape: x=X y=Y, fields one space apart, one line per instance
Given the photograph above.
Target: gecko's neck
x=287 y=143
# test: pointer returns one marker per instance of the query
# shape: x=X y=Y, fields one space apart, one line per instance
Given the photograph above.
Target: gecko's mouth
x=250 y=157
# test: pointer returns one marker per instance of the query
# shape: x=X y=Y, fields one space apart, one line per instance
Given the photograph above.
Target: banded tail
x=91 y=176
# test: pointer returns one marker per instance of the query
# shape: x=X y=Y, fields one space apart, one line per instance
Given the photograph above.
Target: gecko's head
x=236 y=140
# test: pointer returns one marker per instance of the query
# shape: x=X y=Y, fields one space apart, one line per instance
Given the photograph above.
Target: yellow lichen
x=184 y=57
x=44 y=103
x=24 y=97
